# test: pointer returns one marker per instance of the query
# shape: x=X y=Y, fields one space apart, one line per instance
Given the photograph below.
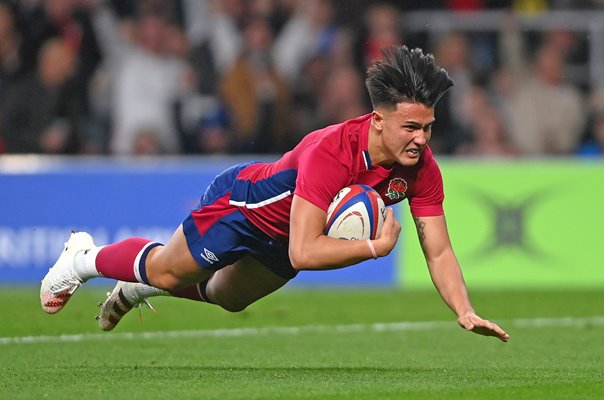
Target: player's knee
x=157 y=272
x=165 y=275
x=165 y=281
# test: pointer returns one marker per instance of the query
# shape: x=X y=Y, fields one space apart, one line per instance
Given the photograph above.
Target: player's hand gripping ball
x=356 y=213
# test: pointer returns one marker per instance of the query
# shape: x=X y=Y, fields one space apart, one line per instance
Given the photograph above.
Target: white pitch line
x=575 y=322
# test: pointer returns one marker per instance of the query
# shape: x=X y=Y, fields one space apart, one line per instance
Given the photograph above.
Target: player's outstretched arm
x=448 y=278
x=311 y=249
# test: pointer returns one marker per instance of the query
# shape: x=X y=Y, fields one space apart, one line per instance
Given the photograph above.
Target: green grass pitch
x=340 y=344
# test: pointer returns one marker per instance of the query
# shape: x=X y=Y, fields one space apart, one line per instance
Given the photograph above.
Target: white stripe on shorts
x=262 y=203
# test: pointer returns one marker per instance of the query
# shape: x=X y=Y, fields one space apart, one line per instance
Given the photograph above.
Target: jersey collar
x=365 y=142
x=367 y=160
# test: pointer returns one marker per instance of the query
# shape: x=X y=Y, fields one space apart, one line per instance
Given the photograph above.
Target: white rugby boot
x=124 y=297
x=61 y=281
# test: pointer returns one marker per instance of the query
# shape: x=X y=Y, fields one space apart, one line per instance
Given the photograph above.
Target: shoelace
x=139 y=305
x=69 y=285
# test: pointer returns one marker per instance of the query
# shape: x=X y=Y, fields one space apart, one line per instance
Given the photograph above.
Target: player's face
x=405 y=132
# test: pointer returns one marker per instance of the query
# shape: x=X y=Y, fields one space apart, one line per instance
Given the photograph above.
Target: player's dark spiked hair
x=405 y=75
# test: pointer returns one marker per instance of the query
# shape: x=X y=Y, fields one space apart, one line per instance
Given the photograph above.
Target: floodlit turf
x=335 y=351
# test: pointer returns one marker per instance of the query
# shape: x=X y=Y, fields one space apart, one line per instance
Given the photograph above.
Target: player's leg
x=172 y=266
x=239 y=263
x=167 y=267
x=237 y=286
x=131 y=260
x=233 y=288
x=127 y=260
x=262 y=268
x=168 y=270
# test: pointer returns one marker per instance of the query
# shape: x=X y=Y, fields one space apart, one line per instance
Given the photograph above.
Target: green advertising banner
x=518 y=224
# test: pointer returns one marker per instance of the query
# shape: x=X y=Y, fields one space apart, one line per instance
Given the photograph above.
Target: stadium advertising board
x=43 y=199
x=519 y=224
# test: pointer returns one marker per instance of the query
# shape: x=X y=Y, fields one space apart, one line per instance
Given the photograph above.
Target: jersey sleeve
x=320 y=175
x=429 y=196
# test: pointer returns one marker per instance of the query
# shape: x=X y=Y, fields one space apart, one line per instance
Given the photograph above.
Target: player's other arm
x=447 y=276
x=311 y=249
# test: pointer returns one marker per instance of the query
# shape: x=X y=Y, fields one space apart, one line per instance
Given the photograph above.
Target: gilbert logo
x=396 y=189
x=209 y=256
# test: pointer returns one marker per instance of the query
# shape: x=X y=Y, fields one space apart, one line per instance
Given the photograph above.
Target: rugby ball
x=356 y=213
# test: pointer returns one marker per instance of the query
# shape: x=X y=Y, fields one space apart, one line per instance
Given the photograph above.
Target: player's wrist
x=465 y=312
x=382 y=246
x=371 y=246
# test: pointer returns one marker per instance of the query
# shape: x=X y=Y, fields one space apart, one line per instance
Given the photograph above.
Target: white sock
x=84 y=264
x=135 y=292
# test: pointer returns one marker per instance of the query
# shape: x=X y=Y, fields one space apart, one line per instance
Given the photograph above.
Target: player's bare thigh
x=236 y=286
x=172 y=266
x=233 y=287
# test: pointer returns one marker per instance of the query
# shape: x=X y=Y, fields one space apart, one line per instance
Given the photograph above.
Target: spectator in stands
x=530 y=6
x=487 y=136
x=256 y=97
x=545 y=113
x=341 y=97
x=381 y=28
x=10 y=60
x=453 y=120
x=314 y=43
x=305 y=112
x=212 y=29
x=214 y=133
x=146 y=143
x=203 y=125
x=146 y=79
x=315 y=100
x=311 y=31
x=593 y=146
x=41 y=113
x=70 y=21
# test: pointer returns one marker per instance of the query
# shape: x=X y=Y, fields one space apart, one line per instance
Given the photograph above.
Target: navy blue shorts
x=218 y=234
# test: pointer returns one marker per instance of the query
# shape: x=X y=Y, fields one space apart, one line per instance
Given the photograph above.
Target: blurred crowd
x=139 y=77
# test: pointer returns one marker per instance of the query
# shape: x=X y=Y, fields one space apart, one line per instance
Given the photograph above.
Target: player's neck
x=375 y=148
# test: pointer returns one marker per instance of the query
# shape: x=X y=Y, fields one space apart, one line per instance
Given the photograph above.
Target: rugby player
x=258 y=224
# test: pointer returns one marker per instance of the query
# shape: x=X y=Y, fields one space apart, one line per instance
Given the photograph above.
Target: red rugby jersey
x=324 y=162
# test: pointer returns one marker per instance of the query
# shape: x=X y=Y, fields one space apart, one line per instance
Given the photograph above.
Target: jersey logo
x=209 y=256
x=396 y=189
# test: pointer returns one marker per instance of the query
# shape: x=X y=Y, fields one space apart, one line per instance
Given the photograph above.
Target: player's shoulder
x=346 y=127
x=428 y=169
x=428 y=155
x=427 y=160
x=336 y=136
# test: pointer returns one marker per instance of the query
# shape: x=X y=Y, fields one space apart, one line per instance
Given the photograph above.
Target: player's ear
x=378 y=120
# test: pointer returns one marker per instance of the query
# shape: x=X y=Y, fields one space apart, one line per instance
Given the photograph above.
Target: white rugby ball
x=356 y=213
